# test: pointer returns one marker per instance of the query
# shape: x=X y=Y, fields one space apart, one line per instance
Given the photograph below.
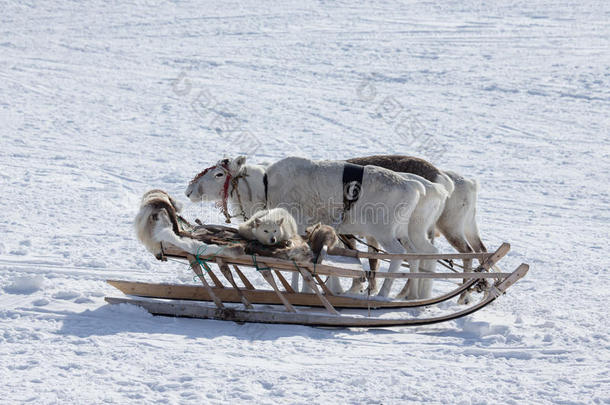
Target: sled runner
x=282 y=304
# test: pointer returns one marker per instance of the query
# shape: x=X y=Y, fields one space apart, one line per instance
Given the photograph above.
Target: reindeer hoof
x=356 y=289
x=464 y=299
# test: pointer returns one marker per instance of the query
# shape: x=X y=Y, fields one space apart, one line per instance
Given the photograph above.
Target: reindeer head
x=211 y=184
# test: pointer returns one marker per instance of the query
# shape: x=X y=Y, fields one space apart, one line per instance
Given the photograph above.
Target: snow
x=25 y=285
x=101 y=101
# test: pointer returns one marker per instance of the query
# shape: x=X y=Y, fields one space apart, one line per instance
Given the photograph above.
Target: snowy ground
x=101 y=101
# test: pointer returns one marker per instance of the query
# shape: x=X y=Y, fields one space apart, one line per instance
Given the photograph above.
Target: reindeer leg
x=391 y=246
x=373 y=263
x=357 y=283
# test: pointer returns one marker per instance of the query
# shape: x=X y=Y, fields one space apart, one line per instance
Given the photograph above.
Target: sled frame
x=177 y=300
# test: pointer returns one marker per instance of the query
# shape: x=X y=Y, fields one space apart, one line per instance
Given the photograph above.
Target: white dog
x=270 y=227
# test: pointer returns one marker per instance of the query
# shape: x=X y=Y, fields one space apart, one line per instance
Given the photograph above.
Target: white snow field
x=103 y=100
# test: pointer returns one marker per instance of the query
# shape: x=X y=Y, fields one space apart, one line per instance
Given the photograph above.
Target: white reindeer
x=458 y=219
x=313 y=192
x=422 y=224
x=457 y=222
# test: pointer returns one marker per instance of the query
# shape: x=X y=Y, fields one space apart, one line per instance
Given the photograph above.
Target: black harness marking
x=352 y=185
x=266 y=184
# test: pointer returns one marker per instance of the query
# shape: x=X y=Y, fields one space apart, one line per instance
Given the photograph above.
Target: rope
x=231 y=180
x=258 y=268
x=298 y=268
x=450 y=264
x=204 y=262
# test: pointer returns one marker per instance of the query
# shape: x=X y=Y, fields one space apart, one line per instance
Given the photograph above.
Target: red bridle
x=225 y=188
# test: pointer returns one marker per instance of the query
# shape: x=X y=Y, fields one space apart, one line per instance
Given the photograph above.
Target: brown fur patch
x=320 y=235
x=401 y=164
x=160 y=204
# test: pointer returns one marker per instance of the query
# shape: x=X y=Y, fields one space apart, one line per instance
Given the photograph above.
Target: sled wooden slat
x=196 y=310
x=172 y=251
x=226 y=271
x=197 y=269
x=312 y=284
x=325 y=270
x=284 y=282
x=323 y=285
x=215 y=279
x=407 y=256
x=190 y=292
x=491 y=261
x=243 y=278
x=268 y=276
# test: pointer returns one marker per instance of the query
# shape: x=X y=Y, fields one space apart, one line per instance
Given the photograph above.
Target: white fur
x=147 y=218
x=269 y=227
x=422 y=224
x=458 y=221
x=314 y=191
x=446 y=181
x=154 y=227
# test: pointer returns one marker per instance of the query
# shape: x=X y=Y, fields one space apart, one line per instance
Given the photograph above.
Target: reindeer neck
x=251 y=189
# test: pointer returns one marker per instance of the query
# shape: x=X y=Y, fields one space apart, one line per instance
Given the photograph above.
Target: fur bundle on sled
x=158 y=222
x=293 y=249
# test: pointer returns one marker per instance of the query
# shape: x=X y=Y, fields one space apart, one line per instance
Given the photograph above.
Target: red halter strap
x=223 y=204
x=225 y=195
x=203 y=173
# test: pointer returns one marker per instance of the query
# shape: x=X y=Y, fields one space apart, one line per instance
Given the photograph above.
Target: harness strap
x=225 y=196
x=235 y=189
x=266 y=184
x=352 y=185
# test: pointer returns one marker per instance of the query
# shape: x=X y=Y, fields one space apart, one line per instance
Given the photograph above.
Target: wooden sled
x=249 y=304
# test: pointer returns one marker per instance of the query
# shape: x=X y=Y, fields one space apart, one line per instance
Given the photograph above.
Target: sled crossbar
x=322 y=269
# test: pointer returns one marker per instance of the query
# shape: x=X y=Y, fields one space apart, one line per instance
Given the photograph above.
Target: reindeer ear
x=311 y=229
x=234 y=165
x=239 y=162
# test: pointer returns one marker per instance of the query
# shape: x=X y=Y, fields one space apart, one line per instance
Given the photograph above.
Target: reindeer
x=379 y=205
x=457 y=223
